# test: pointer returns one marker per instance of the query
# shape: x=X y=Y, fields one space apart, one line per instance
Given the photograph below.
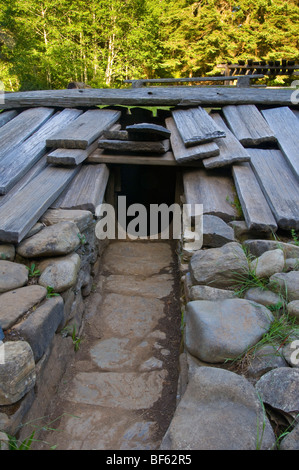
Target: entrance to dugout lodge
x=145 y=185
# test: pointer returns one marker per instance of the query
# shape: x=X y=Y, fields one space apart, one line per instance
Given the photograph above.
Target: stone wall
x=239 y=378
x=43 y=286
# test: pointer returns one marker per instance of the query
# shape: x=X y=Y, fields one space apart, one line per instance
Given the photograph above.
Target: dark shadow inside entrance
x=147 y=185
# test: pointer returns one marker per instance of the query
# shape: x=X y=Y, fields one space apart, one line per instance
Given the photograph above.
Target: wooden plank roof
x=26 y=177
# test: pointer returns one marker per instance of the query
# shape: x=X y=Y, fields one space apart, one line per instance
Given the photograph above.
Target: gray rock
x=80 y=217
x=35 y=229
x=7 y=252
x=258 y=247
x=242 y=232
x=293 y=309
x=210 y=293
x=292 y=264
x=224 y=329
x=39 y=328
x=12 y=275
x=269 y=263
x=287 y=284
x=17 y=372
x=216 y=232
x=290 y=350
x=279 y=388
x=4 y=441
x=291 y=441
x=220 y=410
x=265 y=359
x=60 y=273
x=55 y=240
x=15 y=303
x=264 y=297
x=219 y=267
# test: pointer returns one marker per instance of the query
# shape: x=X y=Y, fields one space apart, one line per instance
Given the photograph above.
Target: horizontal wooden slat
x=70 y=157
x=87 y=189
x=182 y=153
x=195 y=126
x=160 y=146
x=257 y=213
x=248 y=125
x=230 y=149
x=85 y=130
x=279 y=185
x=164 y=96
x=21 y=127
x=23 y=210
x=18 y=161
x=286 y=129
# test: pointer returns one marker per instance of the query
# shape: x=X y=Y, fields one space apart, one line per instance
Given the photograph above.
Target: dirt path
x=120 y=392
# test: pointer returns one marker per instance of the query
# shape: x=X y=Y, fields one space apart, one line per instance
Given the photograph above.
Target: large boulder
x=287 y=284
x=219 y=410
x=55 y=240
x=12 y=275
x=269 y=263
x=60 y=273
x=17 y=371
x=224 y=329
x=219 y=267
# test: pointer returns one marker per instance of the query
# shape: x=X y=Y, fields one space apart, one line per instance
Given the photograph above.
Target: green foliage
x=45 y=44
x=51 y=293
x=32 y=272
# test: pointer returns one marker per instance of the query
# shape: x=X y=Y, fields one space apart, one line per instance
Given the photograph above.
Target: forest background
x=46 y=44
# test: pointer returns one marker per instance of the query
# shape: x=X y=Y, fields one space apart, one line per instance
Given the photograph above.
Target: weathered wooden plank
x=279 y=185
x=248 y=125
x=148 y=129
x=164 y=96
x=160 y=146
x=7 y=116
x=230 y=149
x=182 y=153
x=85 y=130
x=195 y=126
x=32 y=173
x=23 y=210
x=215 y=191
x=87 y=189
x=166 y=159
x=257 y=213
x=286 y=129
x=70 y=157
x=19 y=160
x=21 y=127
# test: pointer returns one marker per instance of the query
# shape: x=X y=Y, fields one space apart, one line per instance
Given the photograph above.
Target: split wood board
x=215 y=191
x=166 y=159
x=24 y=209
x=196 y=126
x=32 y=173
x=71 y=157
x=230 y=149
x=87 y=189
x=85 y=130
x=182 y=153
x=7 y=116
x=155 y=96
x=279 y=185
x=257 y=213
x=19 y=160
x=248 y=125
x=286 y=129
x=21 y=127
x=121 y=146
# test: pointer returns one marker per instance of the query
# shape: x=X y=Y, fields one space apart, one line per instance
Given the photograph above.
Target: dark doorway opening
x=147 y=185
